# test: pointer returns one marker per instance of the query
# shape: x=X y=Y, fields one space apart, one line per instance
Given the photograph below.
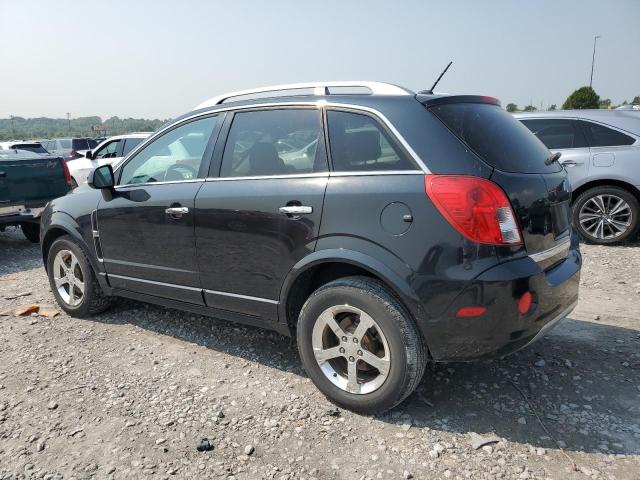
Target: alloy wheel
x=351 y=349
x=605 y=216
x=68 y=278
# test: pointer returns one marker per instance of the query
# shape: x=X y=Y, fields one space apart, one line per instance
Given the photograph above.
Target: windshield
x=496 y=137
x=31 y=147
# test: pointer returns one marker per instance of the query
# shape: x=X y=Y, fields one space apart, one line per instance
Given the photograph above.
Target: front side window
x=274 y=142
x=358 y=143
x=557 y=133
x=174 y=156
x=108 y=151
x=601 y=136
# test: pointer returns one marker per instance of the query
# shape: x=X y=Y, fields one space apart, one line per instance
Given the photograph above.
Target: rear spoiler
x=433 y=100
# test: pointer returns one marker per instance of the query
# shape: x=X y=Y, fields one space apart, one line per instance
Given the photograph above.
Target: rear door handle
x=296 y=210
x=177 y=211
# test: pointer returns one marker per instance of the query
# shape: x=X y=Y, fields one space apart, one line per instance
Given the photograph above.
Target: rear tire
x=31 y=231
x=73 y=281
x=606 y=215
x=387 y=352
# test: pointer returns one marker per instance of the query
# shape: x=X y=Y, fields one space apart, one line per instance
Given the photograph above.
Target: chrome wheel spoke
x=352 y=378
x=382 y=364
x=605 y=216
x=366 y=322
x=327 y=354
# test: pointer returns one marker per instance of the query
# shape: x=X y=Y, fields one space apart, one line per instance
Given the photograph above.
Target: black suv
x=385 y=229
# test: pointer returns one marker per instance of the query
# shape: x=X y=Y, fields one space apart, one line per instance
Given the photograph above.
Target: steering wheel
x=185 y=172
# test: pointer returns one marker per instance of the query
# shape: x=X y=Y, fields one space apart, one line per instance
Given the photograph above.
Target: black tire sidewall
x=387 y=395
x=65 y=243
x=31 y=231
x=620 y=192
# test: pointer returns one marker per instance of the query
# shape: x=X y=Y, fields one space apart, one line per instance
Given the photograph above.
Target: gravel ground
x=130 y=393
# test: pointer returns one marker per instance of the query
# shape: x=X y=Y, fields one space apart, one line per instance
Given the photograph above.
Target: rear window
x=80 y=144
x=31 y=147
x=496 y=137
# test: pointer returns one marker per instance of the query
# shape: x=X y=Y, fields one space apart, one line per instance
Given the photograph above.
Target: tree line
x=582 y=98
x=20 y=128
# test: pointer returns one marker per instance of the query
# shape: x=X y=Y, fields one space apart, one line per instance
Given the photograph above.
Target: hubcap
x=605 y=216
x=68 y=277
x=351 y=349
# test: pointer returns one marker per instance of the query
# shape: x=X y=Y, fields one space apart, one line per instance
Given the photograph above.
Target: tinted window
x=557 y=133
x=274 y=142
x=496 y=137
x=31 y=147
x=358 y=143
x=600 y=136
x=92 y=143
x=174 y=156
x=66 y=143
x=130 y=144
x=80 y=144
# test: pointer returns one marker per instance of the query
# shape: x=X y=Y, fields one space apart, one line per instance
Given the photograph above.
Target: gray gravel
x=131 y=393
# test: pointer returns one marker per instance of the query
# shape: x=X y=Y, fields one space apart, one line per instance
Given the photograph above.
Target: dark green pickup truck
x=27 y=182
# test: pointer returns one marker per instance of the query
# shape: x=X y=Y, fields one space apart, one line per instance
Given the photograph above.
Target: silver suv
x=600 y=150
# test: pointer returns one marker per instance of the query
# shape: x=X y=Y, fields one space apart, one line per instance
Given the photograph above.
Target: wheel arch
x=605 y=182
x=327 y=265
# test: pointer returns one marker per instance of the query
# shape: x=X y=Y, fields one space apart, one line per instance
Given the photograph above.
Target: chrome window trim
x=319 y=104
x=376 y=172
x=317 y=175
x=149 y=184
x=243 y=297
x=562 y=247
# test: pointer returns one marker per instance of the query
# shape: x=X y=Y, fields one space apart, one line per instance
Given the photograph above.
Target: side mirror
x=89 y=155
x=101 y=177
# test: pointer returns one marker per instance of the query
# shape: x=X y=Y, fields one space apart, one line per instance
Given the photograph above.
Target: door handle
x=177 y=211
x=3 y=174
x=296 y=210
x=569 y=163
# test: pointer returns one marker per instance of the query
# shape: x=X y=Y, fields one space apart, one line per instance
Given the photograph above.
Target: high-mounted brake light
x=475 y=207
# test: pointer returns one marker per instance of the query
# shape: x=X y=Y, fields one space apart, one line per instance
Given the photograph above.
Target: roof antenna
x=430 y=91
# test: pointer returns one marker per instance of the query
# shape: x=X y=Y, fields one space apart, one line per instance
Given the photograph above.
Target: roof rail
x=319 y=88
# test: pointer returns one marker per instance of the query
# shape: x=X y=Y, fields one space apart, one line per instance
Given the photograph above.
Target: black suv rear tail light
x=477 y=208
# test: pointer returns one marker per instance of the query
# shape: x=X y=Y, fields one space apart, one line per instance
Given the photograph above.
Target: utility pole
x=69 y=122
x=13 y=129
x=593 y=59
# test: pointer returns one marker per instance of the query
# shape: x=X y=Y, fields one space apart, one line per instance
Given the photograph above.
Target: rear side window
x=359 y=143
x=496 y=137
x=130 y=144
x=80 y=144
x=557 y=133
x=274 y=142
x=601 y=136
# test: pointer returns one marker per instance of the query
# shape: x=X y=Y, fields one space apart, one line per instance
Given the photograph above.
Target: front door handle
x=296 y=210
x=569 y=163
x=177 y=211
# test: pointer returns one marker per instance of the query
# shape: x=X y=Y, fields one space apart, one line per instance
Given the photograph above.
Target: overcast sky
x=157 y=59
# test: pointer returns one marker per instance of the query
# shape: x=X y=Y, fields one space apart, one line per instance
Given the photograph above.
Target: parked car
x=30 y=146
x=28 y=181
x=68 y=148
x=110 y=151
x=601 y=151
x=422 y=228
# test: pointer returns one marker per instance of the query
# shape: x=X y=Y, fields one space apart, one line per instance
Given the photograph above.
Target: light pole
x=593 y=59
x=69 y=122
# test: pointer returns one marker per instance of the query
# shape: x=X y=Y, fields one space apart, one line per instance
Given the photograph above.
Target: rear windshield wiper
x=553 y=158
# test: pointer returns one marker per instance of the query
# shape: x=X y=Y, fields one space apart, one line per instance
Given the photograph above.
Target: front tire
x=605 y=215
x=73 y=281
x=360 y=346
x=31 y=231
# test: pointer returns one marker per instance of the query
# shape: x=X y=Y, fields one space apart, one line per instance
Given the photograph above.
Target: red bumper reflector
x=470 y=311
x=525 y=302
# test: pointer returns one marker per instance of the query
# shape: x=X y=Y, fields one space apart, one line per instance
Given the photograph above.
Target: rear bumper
x=502 y=329
x=15 y=214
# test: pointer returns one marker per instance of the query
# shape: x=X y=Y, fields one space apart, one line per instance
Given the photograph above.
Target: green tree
x=636 y=100
x=606 y=103
x=512 y=107
x=584 y=97
x=553 y=107
x=530 y=108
